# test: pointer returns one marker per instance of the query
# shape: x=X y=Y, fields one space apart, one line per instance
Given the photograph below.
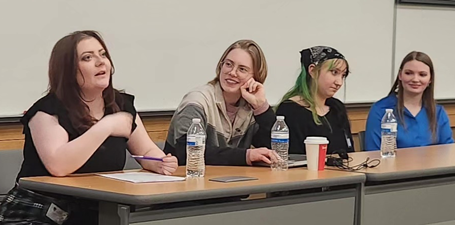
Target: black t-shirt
x=110 y=156
x=335 y=126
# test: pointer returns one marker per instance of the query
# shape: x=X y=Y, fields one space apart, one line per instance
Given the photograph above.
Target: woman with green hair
x=310 y=108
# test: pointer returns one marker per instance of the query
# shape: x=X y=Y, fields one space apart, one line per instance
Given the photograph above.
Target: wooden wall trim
x=164 y=113
x=11 y=136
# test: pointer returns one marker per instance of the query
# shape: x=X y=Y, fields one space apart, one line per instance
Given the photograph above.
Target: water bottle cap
x=280 y=117
x=196 y=120
x=389 y=110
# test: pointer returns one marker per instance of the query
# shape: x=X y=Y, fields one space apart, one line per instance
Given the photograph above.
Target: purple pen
x=146 y=157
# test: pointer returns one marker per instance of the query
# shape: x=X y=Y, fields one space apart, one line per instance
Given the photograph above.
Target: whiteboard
x=163 y=48
x=430 y=30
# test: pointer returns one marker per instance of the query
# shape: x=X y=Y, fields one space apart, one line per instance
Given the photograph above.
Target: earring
x=397 y=88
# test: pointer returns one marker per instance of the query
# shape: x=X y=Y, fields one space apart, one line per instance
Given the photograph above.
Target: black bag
x=22 y=206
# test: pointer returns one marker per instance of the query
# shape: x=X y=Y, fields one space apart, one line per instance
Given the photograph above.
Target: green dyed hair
x=306 y=87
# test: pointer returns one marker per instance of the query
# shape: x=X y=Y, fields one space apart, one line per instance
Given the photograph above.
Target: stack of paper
x=142 y=177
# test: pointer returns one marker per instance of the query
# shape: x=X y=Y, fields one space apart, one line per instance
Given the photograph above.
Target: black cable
x=344 y=164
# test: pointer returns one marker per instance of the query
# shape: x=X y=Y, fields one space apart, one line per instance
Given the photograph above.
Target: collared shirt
x=416 y=130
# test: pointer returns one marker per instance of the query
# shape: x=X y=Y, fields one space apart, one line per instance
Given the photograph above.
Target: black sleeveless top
x=110 y=156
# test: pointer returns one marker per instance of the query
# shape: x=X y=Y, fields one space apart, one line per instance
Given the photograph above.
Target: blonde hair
x=259 y=62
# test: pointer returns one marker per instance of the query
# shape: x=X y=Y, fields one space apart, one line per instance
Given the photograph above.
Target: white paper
x=142 y=177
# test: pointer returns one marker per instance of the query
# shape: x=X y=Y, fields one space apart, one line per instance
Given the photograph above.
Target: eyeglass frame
x=237 y=71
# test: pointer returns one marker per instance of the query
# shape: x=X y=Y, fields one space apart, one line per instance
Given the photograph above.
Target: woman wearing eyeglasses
x=232 y=108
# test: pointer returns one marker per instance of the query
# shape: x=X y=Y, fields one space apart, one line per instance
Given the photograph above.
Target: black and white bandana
x=318 y=54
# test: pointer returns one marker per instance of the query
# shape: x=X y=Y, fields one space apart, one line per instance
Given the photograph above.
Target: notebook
x=142 y=177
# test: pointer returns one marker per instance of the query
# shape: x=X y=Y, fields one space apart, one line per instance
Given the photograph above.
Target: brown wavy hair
x=63 y=68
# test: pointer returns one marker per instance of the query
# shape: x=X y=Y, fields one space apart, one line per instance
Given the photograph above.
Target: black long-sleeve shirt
x=335 y=126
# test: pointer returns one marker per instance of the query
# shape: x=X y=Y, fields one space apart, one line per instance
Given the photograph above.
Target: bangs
x=339 y=64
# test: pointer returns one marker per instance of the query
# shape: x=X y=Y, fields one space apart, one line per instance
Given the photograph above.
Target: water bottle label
x=280 y=136
x=280 y=140
x=195 y=141
x=389 y=127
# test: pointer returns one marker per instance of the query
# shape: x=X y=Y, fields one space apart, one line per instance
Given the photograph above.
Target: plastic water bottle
x=388 y=134
x=280 y=143
x=195 y=149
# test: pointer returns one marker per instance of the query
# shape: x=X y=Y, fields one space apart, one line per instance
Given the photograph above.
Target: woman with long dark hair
x=421 y=121
x=83 y=125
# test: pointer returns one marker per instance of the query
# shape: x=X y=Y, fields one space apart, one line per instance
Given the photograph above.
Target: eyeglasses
x=241 y=70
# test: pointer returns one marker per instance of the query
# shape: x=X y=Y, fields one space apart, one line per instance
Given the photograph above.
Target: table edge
x=190 y=195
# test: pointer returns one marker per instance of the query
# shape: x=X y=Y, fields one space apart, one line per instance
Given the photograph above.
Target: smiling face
x=242 y=59
x=236 y=69
x=415 y=77
x=94 y=67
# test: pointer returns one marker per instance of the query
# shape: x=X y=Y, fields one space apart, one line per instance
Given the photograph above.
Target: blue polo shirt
x=416 y=131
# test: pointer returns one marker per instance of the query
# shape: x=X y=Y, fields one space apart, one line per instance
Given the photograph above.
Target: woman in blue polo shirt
x=421 y=121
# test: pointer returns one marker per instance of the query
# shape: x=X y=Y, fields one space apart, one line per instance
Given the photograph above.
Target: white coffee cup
x=316 y=150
